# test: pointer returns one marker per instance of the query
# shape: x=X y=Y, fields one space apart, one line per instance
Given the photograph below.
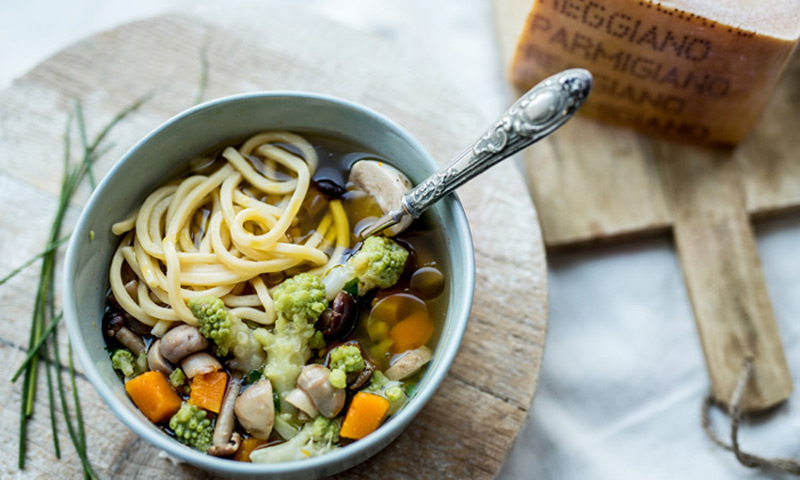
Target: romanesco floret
x=214 y=322
x=316 y=438
x=229 y=333
x=317 y=340
x=287 y=353
x=391 y=390
x=326 y=430
x=191 y=427
x=378 y=263
x=348 y=358
x=130 y=365
x=338 y=379
x=300 y=299
x=343 y=360
x=177 y=378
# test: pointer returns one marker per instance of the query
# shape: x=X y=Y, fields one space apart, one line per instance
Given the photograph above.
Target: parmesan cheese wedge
x=699 y=70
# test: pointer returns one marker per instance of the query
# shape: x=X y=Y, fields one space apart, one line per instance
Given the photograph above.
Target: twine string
x=786 y=465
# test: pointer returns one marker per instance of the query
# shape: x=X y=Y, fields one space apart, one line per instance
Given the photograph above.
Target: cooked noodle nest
x=220 y=234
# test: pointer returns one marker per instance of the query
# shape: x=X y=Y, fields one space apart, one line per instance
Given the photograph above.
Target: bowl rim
x=360 y=450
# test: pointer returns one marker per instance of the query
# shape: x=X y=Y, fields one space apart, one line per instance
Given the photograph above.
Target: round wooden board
x=468 y=428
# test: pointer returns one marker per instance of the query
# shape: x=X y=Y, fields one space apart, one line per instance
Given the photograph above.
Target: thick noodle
x=205 y=235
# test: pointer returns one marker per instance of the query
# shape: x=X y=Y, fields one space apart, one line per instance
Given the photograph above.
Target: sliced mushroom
x=385 y=184
x=199 y=363
x=156 y=361
x=132 y=287
x=225 y=441
x=302 y=402
x=409 y=363
x=255 y=409
x=115 y=328
x=359 y=379
x=136 y=326
x=133 y=342
x=228 y=449
x=182 y=341
x=315 y=381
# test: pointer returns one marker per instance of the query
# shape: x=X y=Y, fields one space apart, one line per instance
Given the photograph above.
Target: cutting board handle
x=719 y=258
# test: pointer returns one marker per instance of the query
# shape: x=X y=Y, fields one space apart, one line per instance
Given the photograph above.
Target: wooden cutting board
x=597 y=183
x=607 y=184
x=468 y=428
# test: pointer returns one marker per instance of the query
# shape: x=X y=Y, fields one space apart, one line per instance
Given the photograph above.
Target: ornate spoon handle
x=535 y=115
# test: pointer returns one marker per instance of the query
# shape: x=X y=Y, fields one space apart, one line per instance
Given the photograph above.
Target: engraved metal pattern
x=535 y=115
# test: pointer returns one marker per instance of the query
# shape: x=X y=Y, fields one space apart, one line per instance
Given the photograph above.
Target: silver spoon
x=538 y=113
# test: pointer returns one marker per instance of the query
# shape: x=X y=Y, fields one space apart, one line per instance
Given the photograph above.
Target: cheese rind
x=660 y=69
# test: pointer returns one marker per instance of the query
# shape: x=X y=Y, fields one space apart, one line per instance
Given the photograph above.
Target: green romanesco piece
x=191 y=427
x=214 y=322
x=228 y=332
x=378 y=263
x=177 y=378
x=314 y=439
x=391 y=390
x=347 y=358
x=300 y=299
x=377 y=383
x=130 y=365
x=344 y=359
x=394 y=393
x=326 y=430
x=317 y=341
x=338 y=379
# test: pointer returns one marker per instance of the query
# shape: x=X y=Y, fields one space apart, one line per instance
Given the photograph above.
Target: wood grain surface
x=469 y=426
x=720 y=264
x=599 y=183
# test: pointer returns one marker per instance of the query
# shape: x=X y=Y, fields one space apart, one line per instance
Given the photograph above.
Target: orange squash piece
x=411 y=332
x=248 y=445
x=208 y=390
x=364 y=416
x=154 y=396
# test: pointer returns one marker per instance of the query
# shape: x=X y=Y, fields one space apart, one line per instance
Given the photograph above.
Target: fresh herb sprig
x=43 y=336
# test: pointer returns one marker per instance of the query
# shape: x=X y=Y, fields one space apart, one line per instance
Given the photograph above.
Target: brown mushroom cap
x=359 y=379
x=114 y=326
x=409 y=363
x=300 y=400
x=385 y=184
x=156 y=361
x=255 y=409
x=314 y=379
x=182 y=341
x=199 y=363
x=227 y=449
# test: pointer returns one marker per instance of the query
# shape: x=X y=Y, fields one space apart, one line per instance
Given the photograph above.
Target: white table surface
x=623 y=375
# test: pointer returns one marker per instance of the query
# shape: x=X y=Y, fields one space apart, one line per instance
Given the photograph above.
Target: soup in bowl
x=223 y=304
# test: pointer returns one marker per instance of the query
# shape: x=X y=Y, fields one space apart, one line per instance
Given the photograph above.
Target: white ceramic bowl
x=163 y=153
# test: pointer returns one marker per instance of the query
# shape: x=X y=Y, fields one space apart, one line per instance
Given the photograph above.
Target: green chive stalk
x=44 y=320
